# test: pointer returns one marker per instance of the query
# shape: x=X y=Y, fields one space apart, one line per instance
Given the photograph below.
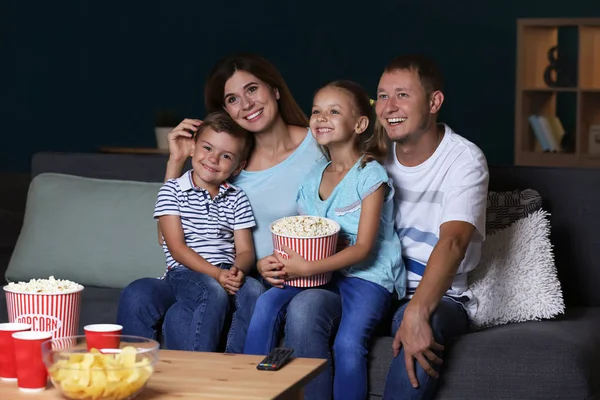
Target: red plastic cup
x=32 y=375
x=8 y=367
x=102 y=336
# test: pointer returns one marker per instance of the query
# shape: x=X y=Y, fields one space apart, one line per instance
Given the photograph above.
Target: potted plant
x=166 y=120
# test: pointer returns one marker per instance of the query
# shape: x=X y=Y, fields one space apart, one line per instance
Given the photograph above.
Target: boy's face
x=215 y=157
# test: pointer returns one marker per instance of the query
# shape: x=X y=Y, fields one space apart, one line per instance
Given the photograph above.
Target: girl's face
x=250 y=102
x=333 y=119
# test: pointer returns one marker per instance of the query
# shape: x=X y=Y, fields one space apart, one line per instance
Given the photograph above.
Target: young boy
x=206 y=225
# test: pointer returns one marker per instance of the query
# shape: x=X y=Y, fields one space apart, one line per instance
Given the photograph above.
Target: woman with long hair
x=252 y=91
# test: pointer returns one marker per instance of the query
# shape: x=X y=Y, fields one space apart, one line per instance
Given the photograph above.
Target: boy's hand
x=235 y=280
x=237 y=274
x=223 y=279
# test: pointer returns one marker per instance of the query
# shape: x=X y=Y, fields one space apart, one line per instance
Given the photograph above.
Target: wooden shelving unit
x=533 y=96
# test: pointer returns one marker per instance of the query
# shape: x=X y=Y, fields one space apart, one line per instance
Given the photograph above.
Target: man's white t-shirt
x=451 y=185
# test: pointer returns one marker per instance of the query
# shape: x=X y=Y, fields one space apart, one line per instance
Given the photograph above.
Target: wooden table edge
x=294 y=391
x=297 y=390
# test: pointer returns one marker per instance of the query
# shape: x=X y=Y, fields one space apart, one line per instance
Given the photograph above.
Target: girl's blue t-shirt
x=272 y=192
x=384 y=264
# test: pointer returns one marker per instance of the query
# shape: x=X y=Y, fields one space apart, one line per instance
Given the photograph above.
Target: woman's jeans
x=447 y=321
x=191 y=307
x=364 y=304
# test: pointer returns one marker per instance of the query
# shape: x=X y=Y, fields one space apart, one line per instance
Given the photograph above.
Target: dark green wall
x=77 y=75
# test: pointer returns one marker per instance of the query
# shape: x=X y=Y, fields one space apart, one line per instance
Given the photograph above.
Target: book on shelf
x=594 y=140
x=548 y=131
x=557 y=128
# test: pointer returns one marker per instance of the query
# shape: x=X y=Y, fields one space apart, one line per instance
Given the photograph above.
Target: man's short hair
x=430 y=74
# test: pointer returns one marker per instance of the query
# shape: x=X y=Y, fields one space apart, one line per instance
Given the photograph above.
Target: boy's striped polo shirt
x=208 y=223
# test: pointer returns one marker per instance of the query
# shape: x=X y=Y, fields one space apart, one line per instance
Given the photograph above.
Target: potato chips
x=95 y=375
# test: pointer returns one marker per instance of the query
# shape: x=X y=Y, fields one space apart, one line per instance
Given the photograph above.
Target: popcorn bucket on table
x=56 y=312
x=311 y=248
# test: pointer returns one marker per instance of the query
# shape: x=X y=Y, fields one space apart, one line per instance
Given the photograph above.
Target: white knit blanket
x=516 y=279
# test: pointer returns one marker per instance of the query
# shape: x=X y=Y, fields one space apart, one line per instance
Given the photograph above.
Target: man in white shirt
x=441 y=182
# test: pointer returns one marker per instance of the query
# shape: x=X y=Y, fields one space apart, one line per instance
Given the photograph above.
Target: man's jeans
x=191 y=307
x=311 y=318
x=447 y=321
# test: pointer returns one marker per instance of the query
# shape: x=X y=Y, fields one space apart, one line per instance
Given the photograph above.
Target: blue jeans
x=311 y=318
x=364 y=305
x=191 y=307
x=447 y=321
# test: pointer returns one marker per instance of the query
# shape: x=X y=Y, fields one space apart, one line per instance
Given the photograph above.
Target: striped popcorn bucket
x=50 y=312
x=311 y=249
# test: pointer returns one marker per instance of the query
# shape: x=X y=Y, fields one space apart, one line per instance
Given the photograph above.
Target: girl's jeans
x=364 y=306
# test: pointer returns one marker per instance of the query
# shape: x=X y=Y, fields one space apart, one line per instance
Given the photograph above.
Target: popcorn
x=50 y=285
x=304 y=226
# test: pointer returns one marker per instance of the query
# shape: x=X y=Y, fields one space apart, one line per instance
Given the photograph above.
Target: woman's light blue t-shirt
x=384 y=264
x=272 y=192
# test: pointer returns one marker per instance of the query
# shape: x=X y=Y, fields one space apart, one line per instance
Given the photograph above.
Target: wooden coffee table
x=192 y=375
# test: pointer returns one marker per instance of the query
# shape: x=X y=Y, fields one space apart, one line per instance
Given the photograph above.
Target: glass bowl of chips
x=119 y=372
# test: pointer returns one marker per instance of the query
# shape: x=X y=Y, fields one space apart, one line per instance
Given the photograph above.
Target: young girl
x=352 y=188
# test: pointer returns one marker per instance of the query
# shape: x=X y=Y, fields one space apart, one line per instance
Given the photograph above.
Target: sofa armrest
x=5 y=253
x=11 y=223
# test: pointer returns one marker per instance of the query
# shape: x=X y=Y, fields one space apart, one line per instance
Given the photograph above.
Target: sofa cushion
x=92 y=231
x=504 y=208
x=516 y=279
x=536 y=360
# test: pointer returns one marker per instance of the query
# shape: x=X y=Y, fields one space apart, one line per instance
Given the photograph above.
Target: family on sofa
x=409 y=193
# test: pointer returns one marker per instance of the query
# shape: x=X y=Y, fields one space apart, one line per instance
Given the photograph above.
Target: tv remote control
x=275 y=359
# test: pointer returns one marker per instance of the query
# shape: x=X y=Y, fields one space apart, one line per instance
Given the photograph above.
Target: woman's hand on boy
x=294 y=265
x=270 y=268
x=180 y=139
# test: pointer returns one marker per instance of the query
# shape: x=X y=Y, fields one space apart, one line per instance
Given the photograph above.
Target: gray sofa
x=556 y=359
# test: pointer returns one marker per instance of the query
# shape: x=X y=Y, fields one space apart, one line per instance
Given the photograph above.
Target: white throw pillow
x=516 y=279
